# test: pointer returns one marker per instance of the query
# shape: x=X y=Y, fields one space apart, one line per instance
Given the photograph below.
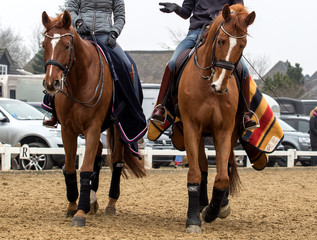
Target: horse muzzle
x=218 y=91
x=53 y=87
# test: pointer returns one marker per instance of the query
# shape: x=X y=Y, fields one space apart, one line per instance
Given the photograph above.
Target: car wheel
x=36 y=161
x=306 y=162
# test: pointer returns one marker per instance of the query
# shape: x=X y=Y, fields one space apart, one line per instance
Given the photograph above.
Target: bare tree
x=258 y=65
x=176 y=36
x=19 y=52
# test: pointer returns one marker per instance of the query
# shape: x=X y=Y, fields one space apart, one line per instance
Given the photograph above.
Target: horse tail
x=234 y=179
x=133 y=164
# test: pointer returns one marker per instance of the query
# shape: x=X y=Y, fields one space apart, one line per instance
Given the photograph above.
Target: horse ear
x=226 y=13
x=45 y=19
x=250 y=18
x=67 y=19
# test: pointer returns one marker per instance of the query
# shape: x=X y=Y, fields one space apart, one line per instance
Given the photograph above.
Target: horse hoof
x=110 y=211
x=193 y=229
x=224 y=211
x=70 y=213
x=78 y=222
x=93 y=208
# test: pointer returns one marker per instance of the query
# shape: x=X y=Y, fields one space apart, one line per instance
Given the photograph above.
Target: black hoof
x=207 y=218
x=78 y=222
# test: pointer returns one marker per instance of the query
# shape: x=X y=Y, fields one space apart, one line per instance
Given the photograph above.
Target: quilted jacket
x=98 y=14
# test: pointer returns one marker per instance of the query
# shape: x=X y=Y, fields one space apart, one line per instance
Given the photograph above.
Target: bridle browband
x=220 y=63
x=66 y=69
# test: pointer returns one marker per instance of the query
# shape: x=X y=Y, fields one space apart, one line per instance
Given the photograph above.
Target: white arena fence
x=7 y=153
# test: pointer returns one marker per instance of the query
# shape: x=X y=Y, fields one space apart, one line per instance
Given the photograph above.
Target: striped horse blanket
x=257 y=143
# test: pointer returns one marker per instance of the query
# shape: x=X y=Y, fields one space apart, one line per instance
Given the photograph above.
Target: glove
x=81 y=27
x=111 y=40
x=168 y=7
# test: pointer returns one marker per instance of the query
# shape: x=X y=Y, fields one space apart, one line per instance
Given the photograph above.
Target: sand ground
x=276 y=203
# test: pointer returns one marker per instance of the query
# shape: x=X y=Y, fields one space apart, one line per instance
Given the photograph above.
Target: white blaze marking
x=54 y=42
x=233 y=42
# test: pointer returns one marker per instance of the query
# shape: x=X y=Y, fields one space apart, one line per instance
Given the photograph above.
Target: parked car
x=21 y=124
x=299 y=122
x=309 y=105
x=294 y=139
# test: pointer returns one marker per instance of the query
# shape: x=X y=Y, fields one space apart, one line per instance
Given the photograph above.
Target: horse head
x=58 y=50
x=228 y=44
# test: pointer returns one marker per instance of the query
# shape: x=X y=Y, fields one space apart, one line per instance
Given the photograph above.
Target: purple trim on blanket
x=133 y=139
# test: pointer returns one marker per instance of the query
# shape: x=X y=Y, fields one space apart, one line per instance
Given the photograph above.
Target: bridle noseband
x=220 y=63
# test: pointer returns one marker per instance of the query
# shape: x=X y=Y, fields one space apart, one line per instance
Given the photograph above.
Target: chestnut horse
x=82 y=84
x=208 y=103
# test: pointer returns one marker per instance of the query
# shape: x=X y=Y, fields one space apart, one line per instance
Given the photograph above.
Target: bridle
x=66 y=69
x=220 y=63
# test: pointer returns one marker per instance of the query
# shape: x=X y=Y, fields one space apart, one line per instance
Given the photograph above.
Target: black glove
x=111 y=40
x=81 y=27
x=168 y=7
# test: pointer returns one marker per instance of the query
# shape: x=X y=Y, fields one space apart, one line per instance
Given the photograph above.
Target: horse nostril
x=56 y=84
x=213 y=86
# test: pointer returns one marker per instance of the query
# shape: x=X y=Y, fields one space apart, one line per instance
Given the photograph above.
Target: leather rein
x=66 y=69
x=220 y=63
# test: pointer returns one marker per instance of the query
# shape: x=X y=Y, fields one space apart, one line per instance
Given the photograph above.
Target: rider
x=95 y=17
x=201 y=12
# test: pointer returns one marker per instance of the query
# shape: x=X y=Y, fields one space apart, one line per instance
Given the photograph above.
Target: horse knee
x=222 y=182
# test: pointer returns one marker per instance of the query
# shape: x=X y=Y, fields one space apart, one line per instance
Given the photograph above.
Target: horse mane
x=56 y=22
x=239 y=24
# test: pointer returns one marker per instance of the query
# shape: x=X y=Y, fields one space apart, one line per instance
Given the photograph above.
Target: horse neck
x=85 y=54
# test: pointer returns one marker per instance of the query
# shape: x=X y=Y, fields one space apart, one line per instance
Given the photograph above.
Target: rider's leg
x=159 y=112
x=48 y=105
x=248 y=123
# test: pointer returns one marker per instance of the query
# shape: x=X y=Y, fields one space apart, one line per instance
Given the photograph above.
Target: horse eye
x=67 y=47
x=220 y=42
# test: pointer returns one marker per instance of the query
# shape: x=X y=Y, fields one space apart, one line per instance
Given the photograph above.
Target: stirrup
x=251 y=127
x=165 y=115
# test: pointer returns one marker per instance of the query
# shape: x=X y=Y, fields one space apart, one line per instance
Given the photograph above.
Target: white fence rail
x=7 y=153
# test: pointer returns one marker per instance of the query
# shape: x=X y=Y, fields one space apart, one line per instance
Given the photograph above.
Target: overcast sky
x=283 y=29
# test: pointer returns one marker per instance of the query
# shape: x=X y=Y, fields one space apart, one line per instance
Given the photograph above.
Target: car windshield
x=286 y=127
x=21 y=110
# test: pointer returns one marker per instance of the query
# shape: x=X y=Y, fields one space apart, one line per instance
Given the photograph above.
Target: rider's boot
x=159 y=113
x=248 y=123
x=51 y=122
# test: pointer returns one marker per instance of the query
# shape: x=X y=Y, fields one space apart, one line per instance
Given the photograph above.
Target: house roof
x=6 y=59
x=151 y=64
x=278 y=67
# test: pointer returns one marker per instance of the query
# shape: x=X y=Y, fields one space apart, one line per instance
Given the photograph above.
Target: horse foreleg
x=223 y=145
x=192 y=140
x=94 y=206
x=69 y=172
x=87 y=177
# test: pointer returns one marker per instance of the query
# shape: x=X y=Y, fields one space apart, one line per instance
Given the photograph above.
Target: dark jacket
x=202 y=11
x=313 y=131
x=97 y=14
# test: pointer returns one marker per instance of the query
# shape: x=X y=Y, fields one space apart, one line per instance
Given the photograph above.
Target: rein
x=220 y=63
x=66 y=69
